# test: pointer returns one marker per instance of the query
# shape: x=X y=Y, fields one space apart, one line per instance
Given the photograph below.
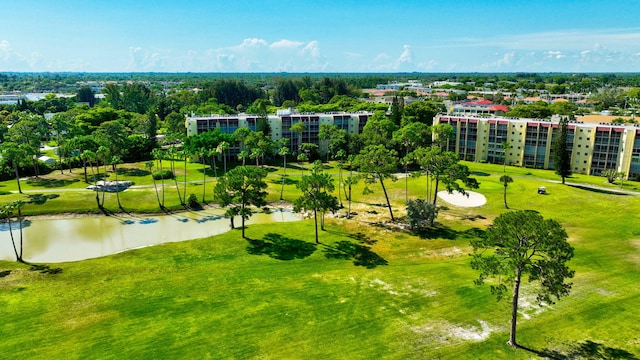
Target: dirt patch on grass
x=447 y=333
x=529 y=307
x=635 y=256
x=402 y=290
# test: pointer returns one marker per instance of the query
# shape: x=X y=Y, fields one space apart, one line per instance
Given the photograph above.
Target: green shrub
x=192 y=201
x=164 y=174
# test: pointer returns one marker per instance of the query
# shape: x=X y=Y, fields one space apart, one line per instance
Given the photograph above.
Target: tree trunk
x=315 y=220
x=84 y=166
x=242 y=217
x=284 y=176
x=118 y=190
x=387 y=197
x=21 y=236
x=204 y=178
x=435 y=191
x=340 y=186
x=15 y=168
x=185 y=180
x=224 y=161
x=505 y=197
x=13 y=242
x=233 y=224
x=514 y=309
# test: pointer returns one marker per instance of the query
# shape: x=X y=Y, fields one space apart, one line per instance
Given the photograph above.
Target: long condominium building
x=280 y=124
x=594 y=147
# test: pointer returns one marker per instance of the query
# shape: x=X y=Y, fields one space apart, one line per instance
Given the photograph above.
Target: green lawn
x=367 y=292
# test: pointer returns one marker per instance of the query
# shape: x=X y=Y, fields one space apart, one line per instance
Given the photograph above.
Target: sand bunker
x=458 y=199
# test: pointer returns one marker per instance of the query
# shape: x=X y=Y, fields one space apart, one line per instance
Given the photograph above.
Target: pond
x=73 y=239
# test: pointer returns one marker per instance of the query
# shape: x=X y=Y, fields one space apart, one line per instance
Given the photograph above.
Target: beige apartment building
x=280 y=124
x=594 y=147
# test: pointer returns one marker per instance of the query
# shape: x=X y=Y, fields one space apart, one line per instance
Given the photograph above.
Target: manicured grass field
x=366 y=292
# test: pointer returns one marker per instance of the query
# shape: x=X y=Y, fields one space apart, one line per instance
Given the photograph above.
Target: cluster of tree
x=542 y=110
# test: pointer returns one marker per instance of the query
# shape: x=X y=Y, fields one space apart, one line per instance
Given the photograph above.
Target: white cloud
x=251 y=43
x=5 y=50
x=555 y=54
x=405 y=57
x=284 y=43
x=312 y=48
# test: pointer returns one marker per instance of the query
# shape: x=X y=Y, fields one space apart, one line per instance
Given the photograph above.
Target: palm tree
x=203 y=154
x=302 y=157
x=115 y=160
x=173 y=153
x=222 y=148
x=340 y=155
x=158 y=154
x=284 y=151
x=243 y=155
x=213 y=153
x=103 y=154
x=184 y=154
x=505 y=146
x=6 y=213
x=256 y=153
x=505 y=179
x=87 y=156
x=149 y=165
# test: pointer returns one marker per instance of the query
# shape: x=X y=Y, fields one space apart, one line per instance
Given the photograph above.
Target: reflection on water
x=75 y=239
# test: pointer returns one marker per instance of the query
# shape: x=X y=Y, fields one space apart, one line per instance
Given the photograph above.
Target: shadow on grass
x=133 y=172
x=50 y=183
x=585 y=350
x=297 y=167
x=480 y=173
x=439 y=231
x=39 y=199
x=360 y=254
x=597 y=190
x=45 y=269
x=5 y=273
x=287 y=181
x=280 y=247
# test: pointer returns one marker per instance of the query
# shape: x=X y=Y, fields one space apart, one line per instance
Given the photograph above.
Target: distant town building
x=476 y=107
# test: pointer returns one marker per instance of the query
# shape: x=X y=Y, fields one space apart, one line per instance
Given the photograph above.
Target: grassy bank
x=367 y=292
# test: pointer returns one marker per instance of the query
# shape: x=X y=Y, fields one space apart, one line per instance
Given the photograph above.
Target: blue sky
x=320 y=36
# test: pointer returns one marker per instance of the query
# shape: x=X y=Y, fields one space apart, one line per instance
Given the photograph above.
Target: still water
x=73 y=239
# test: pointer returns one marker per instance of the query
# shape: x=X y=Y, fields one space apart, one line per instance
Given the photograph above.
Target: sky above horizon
x=319 y=36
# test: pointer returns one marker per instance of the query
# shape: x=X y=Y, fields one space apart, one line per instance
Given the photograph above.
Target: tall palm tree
x=505 y=179
x=149 y=165
x=87 y=156
x=213 y=153
x=340 y=155
x=115 y=160
x=158 y=154
x=256 y=153
x=202 y=153
x=243 y=155
x=184 y=155
x=6 y=213
x=222 y=148
x=103 y=154
x=505 y=147
x=284 y=151
x=302 y=157
x=173 y=154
